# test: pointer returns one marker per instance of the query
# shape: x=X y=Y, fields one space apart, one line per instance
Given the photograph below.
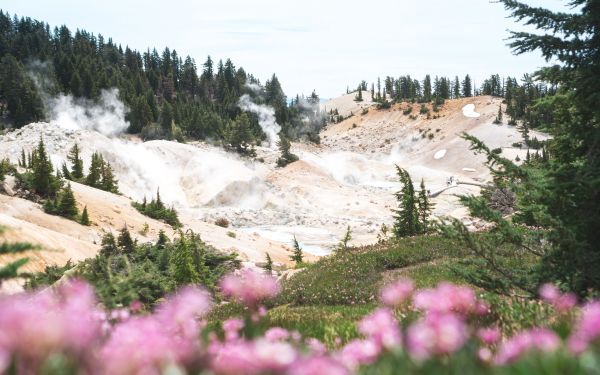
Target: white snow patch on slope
x=469 y=111
x=440 y=154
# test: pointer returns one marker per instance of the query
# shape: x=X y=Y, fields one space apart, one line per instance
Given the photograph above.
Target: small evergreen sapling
x=297 y=256
x=268 y=267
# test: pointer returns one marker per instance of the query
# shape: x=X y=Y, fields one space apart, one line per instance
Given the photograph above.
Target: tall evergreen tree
x=76 y=162
x=94 y=176
x=125 y=242
x=67 y=205
x=85 y=218
x=44 y=181
x=268 y=267
x=406 y=218
x=297 y=255
x=182 y=262
x=424 y=207
x=467 y=87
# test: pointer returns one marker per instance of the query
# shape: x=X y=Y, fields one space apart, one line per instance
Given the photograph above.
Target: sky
x=322 y=45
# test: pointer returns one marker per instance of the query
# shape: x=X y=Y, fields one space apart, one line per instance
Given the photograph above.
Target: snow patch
x=469 y=111
x=440 y=154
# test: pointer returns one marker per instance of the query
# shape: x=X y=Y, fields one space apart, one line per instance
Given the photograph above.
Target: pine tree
x=182 y=262
x=85 y=219
x=286 y=156
x=467 y=87
x=67 y=205
x=344 y=243
x=162 y=239
x=44 y=182
x=406 y=216
x=424 y=209
x=427 y=88
x=359 y=97
x=109 y=182
x=66 y=173
x=76 y=162
x=108 y=245
x=94 y=176
x=498 y=119
x=297 y=256
x=125 y=242
x=23 y=160
x=268 y=267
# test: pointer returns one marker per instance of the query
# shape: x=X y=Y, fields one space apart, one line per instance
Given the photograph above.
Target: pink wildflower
x=436 y=334
x=395 y=294
x=181 y=310
x=277 y=334
x=490 y=335
x=232 y=328
x=315 y=346
x=540 y=339
x=359 y=352
x=587 y=329
x=561 y=301
x=318 y=366
x=446 y=297
x=250 y=287
x=382 y=328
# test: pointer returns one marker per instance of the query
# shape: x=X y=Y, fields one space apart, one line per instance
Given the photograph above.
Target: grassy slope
x=327 y=298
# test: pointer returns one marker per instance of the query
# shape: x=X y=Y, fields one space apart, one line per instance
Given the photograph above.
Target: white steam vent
x=266 y=118
x=106 y=116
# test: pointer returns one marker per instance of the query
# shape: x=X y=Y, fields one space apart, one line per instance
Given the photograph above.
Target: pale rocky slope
x=349 y=179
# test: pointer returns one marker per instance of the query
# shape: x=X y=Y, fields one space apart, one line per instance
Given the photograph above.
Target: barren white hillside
x=347 y=180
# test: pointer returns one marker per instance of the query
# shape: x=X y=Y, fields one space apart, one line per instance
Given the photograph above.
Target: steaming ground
x=347 y=180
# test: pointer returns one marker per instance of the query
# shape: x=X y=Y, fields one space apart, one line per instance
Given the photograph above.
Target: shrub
x=157 y=210
x=222 y=222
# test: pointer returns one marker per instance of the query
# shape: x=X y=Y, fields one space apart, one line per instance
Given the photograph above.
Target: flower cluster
x=39 y=327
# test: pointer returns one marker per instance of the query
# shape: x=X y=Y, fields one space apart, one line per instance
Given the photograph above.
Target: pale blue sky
x=309 y=44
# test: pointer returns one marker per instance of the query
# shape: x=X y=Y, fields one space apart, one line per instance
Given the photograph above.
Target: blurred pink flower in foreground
x=446 y=297
x=489 y=335
x=318 y=366
x=382 y=328
x=395 y=294
x=359 y=352
x=35 y=325
x=541 y=339
x=436 y=334
x=252 y=357
x=561 y=301
x=587 y=329
x=249 y=287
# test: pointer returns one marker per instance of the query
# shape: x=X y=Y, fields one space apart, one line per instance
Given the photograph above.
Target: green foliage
x=147 y=272
x=344 y=243
x=268 y=266
x=11 y=268
x=554 y=227
x=297 y=255
x=51 y=274
x=286 y=156
x=18 y=91
x=76 y=172
x=40 y=177
x=156 y=209
x=406 y=217
x=358 y=97
x=238 y=135
x=85 y=218
x=5 y=168
x=354 y=276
